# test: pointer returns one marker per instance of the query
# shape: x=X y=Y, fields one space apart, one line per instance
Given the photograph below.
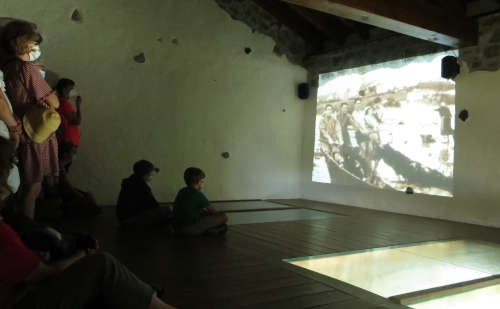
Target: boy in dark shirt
x=136 y=203
x=86 y=278
x=193 y=214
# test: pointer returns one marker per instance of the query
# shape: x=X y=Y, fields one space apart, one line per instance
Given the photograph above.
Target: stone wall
x=169 y=81
x=486 y=55
x=383 y=45
x=259 y=20
x=385 y=49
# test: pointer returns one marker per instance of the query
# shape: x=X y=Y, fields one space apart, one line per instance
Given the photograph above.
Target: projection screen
x=388 y=126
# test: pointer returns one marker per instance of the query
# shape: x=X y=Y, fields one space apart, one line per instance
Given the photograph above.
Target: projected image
x=389 y=126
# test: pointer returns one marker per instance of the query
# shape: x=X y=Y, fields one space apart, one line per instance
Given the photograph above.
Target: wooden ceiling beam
x=330 y=26
x=288 y=17
x=413 y=18
x=453 y=7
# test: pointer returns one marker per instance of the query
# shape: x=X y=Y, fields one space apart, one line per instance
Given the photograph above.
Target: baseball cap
x=144 y=167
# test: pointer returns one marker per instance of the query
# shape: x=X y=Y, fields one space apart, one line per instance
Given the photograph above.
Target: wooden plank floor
x=245 y=269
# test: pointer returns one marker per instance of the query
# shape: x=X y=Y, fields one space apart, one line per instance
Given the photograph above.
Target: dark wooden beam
x=458 y=7
x=454 y=7
x=288 y=17
x=414 y=18
x=327 y=24
x=363 y=30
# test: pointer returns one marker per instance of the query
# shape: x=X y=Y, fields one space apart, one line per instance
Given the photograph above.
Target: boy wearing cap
x=193 y=214
x=136 y=203
x=85 y=280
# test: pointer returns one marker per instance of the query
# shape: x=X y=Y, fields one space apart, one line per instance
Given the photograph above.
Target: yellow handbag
x=40 y=123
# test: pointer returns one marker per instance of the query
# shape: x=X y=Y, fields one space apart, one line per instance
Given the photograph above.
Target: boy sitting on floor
x=84 y=280
x=193 y=214
x=136 y=203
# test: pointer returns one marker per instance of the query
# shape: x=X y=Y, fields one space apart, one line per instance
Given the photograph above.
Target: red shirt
x=70 y=132
x=16 y=263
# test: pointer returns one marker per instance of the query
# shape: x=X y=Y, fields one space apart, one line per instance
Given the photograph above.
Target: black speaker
x=303 y=91
x=449 y=67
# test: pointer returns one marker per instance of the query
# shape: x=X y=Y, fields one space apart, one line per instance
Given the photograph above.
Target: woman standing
x=26 y=89
x=85 y=280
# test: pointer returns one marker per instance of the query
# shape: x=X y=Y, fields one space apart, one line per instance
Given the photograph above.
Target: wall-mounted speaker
x=449 y=67
x=303 y=91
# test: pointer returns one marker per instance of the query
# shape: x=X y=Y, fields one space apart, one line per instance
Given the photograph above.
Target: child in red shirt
x=69 y=132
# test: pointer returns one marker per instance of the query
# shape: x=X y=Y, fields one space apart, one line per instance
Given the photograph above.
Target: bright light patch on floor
x=250 y=217
x=403 y=269
x=485 y=298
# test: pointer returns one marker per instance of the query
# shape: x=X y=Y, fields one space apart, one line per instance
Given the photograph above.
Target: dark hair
x=143 y=167
x=62 y=84
x=16 y=36
x=193 y=175
x=7 y=153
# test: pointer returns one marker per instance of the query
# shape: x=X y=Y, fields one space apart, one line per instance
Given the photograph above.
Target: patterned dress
x=26 y=88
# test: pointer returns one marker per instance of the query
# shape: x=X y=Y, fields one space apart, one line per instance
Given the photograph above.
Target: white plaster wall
x=185 y=106
x=477 y=163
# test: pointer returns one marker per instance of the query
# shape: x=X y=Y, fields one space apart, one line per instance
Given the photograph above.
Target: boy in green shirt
x=193 y=214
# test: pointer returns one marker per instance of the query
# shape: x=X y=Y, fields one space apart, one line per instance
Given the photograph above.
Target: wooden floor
x=245 y=269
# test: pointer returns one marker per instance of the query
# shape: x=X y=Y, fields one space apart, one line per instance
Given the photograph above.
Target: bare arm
x=44 y=271
x=8 y=117
x=5 y=113
x=211 y=209
x=76 y=117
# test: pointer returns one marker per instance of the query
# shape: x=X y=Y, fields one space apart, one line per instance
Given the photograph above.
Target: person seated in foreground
x=85 y=280
x=136 y=203
x=193 y=214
